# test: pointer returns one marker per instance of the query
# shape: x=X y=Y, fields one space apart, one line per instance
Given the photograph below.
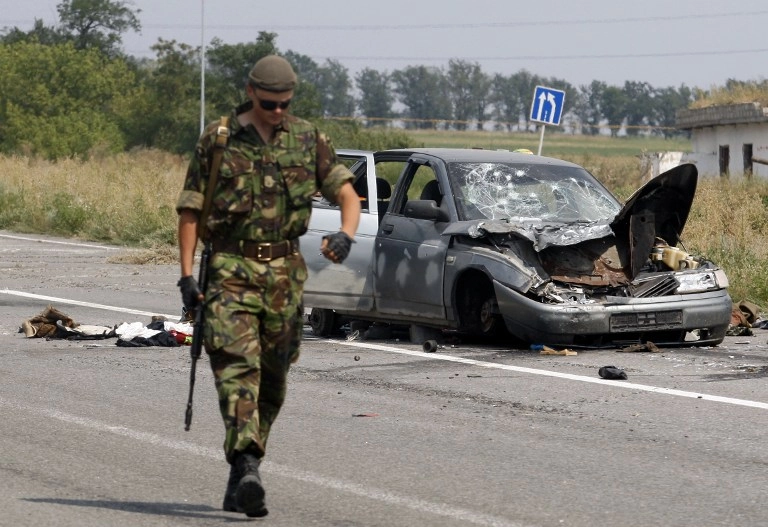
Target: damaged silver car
x=529 y=247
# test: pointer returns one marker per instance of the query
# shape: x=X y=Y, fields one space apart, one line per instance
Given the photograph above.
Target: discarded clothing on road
x=53 y=324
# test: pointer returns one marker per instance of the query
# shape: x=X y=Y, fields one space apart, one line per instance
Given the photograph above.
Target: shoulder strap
x=222 y=136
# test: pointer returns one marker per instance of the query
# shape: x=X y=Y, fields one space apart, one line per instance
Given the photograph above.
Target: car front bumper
x=666 y=320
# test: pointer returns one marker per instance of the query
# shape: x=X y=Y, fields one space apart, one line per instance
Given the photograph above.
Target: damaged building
x=727 y=140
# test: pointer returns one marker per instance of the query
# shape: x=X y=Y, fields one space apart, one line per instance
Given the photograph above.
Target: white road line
x=424 y=506
x=85 y=304
x=569 y=376
x=39 y=240
x=462 y=360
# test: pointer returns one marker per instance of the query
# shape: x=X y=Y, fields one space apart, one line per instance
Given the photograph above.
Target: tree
x=468 y=89
x=666 y=103
x=587 y=107
x=614 y=105
x=524 y=83
x=168 y=115
x=423 y=92
x=307 y=101
x=97 y=24
x=40 y=33
x=504 y=98
x=334 y=86
x=375 y=95
x=639 y=105
x=57 y=101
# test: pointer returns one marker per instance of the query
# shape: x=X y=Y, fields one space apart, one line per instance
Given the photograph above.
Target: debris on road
x=612 y=373
x=429 y=346
x=546 y=350
x=647 y=346
x=54 y=324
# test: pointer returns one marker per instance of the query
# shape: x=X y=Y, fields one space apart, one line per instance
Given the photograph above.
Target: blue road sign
x=547 y=105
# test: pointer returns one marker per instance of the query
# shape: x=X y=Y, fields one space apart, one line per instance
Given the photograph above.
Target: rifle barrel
x=197 y=334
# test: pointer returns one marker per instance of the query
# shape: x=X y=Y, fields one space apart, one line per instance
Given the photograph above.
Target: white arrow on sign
x=542 y=98
x=552 y=106
x=550 y=98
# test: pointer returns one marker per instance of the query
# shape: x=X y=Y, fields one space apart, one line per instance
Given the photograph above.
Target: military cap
x=273 y=73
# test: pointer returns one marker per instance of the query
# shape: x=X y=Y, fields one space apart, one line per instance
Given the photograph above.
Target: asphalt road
x=374 y=432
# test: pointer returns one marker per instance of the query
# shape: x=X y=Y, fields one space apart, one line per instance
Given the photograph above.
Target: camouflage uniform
x=253 y=309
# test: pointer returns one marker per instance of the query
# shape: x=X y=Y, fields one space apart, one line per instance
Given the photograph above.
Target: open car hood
x=659 y=209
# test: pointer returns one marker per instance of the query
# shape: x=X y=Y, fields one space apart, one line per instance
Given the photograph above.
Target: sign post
x=547 y=108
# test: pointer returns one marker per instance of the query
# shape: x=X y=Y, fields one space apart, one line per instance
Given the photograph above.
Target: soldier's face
x=270 y=107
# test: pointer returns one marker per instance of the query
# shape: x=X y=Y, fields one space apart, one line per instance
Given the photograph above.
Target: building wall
x=706 y=143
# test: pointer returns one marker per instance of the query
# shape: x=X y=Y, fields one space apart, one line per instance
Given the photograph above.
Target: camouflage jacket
x=263 y=191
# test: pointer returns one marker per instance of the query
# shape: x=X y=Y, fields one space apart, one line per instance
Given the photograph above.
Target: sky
x=697 y=43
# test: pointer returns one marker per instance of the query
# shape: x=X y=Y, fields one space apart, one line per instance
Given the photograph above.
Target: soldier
x=271 y=167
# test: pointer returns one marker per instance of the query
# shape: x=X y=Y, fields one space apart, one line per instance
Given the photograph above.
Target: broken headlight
x=701 y=281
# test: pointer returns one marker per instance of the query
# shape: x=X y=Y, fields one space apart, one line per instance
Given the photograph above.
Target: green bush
x=64 y=215
x=12 y=207
x=350 y=134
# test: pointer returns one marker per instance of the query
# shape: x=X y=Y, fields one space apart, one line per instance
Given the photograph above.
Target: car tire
x=482 y=311
x=323 y=322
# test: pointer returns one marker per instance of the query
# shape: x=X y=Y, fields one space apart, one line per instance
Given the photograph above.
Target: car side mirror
x=424 y=209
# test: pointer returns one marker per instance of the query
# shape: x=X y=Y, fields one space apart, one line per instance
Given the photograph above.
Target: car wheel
x=481 y=311
x=323 y=322
x=487 y=319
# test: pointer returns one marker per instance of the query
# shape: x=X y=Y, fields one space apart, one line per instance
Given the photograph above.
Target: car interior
x=383 y=194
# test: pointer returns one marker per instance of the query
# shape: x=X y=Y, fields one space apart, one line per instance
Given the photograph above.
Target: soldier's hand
x=336 y=246
x=191 y=295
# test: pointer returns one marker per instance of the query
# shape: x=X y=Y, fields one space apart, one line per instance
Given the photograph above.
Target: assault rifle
x=222 y=134
x=197 y=334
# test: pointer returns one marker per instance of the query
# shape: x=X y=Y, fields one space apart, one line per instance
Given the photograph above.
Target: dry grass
x=157 y=255
x=125 y=199
x=743 y=93
x=729 y=224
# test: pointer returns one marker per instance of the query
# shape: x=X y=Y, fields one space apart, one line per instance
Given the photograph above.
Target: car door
x=409 y=256
x=347 y=286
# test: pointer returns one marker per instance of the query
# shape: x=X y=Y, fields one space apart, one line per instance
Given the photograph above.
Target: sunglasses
x=273 y=105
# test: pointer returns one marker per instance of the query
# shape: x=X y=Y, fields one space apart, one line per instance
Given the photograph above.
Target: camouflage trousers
x=253 y=326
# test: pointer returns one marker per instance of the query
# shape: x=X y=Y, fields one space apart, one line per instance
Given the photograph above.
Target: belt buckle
x=260 y=256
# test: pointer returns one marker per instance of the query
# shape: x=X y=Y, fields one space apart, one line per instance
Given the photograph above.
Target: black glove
x=339 y=244
x=190 y=292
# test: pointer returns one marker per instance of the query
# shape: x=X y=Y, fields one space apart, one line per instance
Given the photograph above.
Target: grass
x=748 y=92
x=126 y=199
x=554 y=145
x=129 y=199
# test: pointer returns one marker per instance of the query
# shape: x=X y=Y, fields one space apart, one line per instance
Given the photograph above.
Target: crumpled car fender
x=505 y=267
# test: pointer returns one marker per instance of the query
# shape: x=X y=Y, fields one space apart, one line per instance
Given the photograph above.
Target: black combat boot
x=230 y=503
x=249 y=497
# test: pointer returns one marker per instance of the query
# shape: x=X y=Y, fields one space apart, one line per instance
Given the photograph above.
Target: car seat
x=432 y=191
x=383 y=193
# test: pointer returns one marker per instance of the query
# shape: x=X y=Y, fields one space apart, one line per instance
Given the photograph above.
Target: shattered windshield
x=529 y=193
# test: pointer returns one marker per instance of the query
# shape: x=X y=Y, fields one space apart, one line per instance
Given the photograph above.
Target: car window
x=424 y=174
x=529 y=193
x=387 y=173
x=390 y=170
